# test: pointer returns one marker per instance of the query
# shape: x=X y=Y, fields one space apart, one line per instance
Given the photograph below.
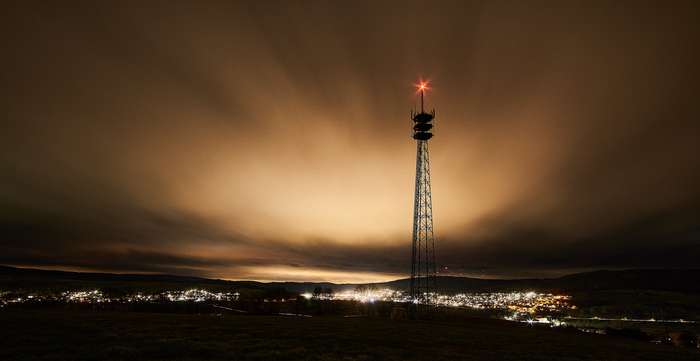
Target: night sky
x=272 y=141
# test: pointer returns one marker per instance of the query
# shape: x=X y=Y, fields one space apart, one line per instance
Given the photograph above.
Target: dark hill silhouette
x=678 y=280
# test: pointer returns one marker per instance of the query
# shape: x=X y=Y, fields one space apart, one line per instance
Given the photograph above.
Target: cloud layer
x=271 y=140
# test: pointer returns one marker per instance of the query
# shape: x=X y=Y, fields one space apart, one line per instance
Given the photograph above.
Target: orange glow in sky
x=233 y=140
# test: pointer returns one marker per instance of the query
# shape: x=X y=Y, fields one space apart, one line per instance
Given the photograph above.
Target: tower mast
x=423 y=270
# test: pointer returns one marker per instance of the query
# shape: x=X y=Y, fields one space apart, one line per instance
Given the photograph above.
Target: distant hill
x=660 y=280
x=16 y=278
x=681 y=280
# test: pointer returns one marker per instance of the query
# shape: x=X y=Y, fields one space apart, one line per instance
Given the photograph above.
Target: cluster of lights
x=626 y=319
x=3 y=301
x=94 y=296
x=97 y=296
x=6 y=298
x=520 y=302
x=523 y=302
x=363 y=296
x=198 y=295
x=527 y=318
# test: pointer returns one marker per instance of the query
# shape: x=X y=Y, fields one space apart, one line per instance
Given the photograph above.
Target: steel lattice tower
x=423 y=271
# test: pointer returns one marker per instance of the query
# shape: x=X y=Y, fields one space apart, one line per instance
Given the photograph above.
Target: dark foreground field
x=90 y=335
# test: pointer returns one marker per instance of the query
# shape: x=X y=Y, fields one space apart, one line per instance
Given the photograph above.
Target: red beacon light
x=422 y=127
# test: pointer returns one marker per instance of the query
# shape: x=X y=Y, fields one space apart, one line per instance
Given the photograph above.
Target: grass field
x=90 y=335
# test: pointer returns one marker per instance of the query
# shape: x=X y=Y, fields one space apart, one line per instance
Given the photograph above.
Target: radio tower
x=423 y=272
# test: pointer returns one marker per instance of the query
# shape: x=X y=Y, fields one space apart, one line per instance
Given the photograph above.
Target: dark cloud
x=267 y=139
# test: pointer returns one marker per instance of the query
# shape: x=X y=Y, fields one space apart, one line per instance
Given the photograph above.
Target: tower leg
x=423 y=270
